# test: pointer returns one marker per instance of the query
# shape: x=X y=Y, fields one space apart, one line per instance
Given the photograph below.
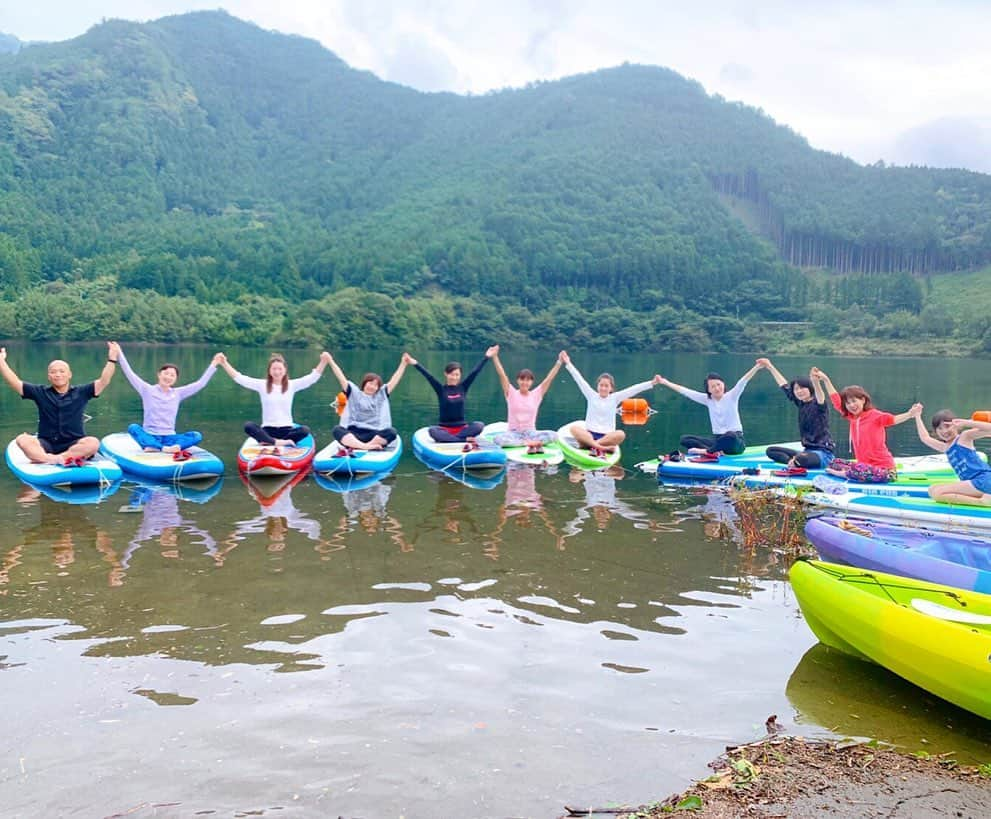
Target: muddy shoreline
x=791 y=776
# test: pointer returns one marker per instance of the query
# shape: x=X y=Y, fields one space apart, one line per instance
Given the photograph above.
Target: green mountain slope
x=202 y=157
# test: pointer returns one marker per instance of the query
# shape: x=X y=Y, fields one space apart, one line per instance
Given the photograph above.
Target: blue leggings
x=145 y=439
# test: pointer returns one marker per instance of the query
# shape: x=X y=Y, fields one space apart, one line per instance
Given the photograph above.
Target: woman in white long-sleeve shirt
x=724 y=413
x=276 y=391
x=598 y=432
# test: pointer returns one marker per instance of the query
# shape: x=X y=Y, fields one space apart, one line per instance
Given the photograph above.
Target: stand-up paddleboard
x=958 y=560
x=582 y=458
x=753 y=457
x=916 y=510
x=267 y=489
x=452 y=457
x=160 y=466
x=474 y=478
x=332 y=460
x=193 y=491
x=551 y=455
x=909 y=483
x=78 y=493
x=342 y=482
x=254 y=458
x=96 y=470
x=756 y=469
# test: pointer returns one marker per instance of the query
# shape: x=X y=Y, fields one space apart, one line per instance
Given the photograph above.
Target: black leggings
x=729 y=443
x=268 y=435
x=803 y=458
x=365 y=435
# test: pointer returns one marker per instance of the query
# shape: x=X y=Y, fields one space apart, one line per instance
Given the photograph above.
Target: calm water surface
x=419 y=647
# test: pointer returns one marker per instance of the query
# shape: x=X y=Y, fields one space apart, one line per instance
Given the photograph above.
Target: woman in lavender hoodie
x=161 y=401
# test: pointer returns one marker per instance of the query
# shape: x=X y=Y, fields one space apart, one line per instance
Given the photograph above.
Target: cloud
x=415 y=63
x=852 y=77
x=948 y=142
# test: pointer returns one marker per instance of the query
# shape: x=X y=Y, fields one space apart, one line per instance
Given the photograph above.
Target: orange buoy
x=634 y=419
x=342 y=401
x=982 y=415
x=634 y=405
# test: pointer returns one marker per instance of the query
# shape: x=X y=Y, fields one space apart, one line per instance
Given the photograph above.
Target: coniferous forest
x=198 y=178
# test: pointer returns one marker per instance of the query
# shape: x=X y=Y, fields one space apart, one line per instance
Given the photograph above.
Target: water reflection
x=522 y=510
x=64 y=528
x=278 y=514
x=162 y=521
x=601 y=503
x=366 y=510
x=853 y=698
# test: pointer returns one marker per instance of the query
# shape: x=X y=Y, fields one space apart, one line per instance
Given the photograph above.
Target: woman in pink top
x=867 y=432
x=522 y=404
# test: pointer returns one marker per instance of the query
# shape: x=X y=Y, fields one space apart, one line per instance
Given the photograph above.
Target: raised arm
x=817 y=387
x=501 y=372
x=551 y=375
x=815 y=372
x=9 y=375
x=779 y=379
x=113 y=353
x=335 y=368
x=433 y=382
x=132 y=377
x=191 y=389
x=902 y=417
x=221 y=359
x=397 y=376
x=690 y=394
x=583 y=385
x=924 y=435
x=969 y=423
x=970 y=430
x=629 y=392
x=467 y=381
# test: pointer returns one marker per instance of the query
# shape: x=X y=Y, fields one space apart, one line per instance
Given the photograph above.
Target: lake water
x=420 y=648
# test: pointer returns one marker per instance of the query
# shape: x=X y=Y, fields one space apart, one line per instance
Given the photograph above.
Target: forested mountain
x=223 y=174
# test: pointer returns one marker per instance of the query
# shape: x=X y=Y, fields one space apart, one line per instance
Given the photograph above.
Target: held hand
x=763 y=362
x=113 y=350
x=657 y=380
x=217 y=358
x=326 y=357
x=563 y=357
x=915 y=410
x=959 y=424
x=3 y=353
x=408 y=359
x=493 y=350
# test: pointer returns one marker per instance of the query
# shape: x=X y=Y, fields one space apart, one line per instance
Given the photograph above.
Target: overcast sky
x=903 y=81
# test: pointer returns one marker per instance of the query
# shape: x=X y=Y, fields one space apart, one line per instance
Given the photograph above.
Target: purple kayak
x=958 y=560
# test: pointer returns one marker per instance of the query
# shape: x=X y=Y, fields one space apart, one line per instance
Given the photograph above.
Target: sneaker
x=182 y=455
x=705 y=458
x=790 y=471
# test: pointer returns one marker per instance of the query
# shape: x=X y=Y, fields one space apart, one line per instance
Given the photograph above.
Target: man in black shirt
x=61 y=438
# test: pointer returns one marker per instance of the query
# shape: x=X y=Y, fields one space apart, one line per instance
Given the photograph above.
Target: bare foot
x=150 y=449
x=171 y=449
